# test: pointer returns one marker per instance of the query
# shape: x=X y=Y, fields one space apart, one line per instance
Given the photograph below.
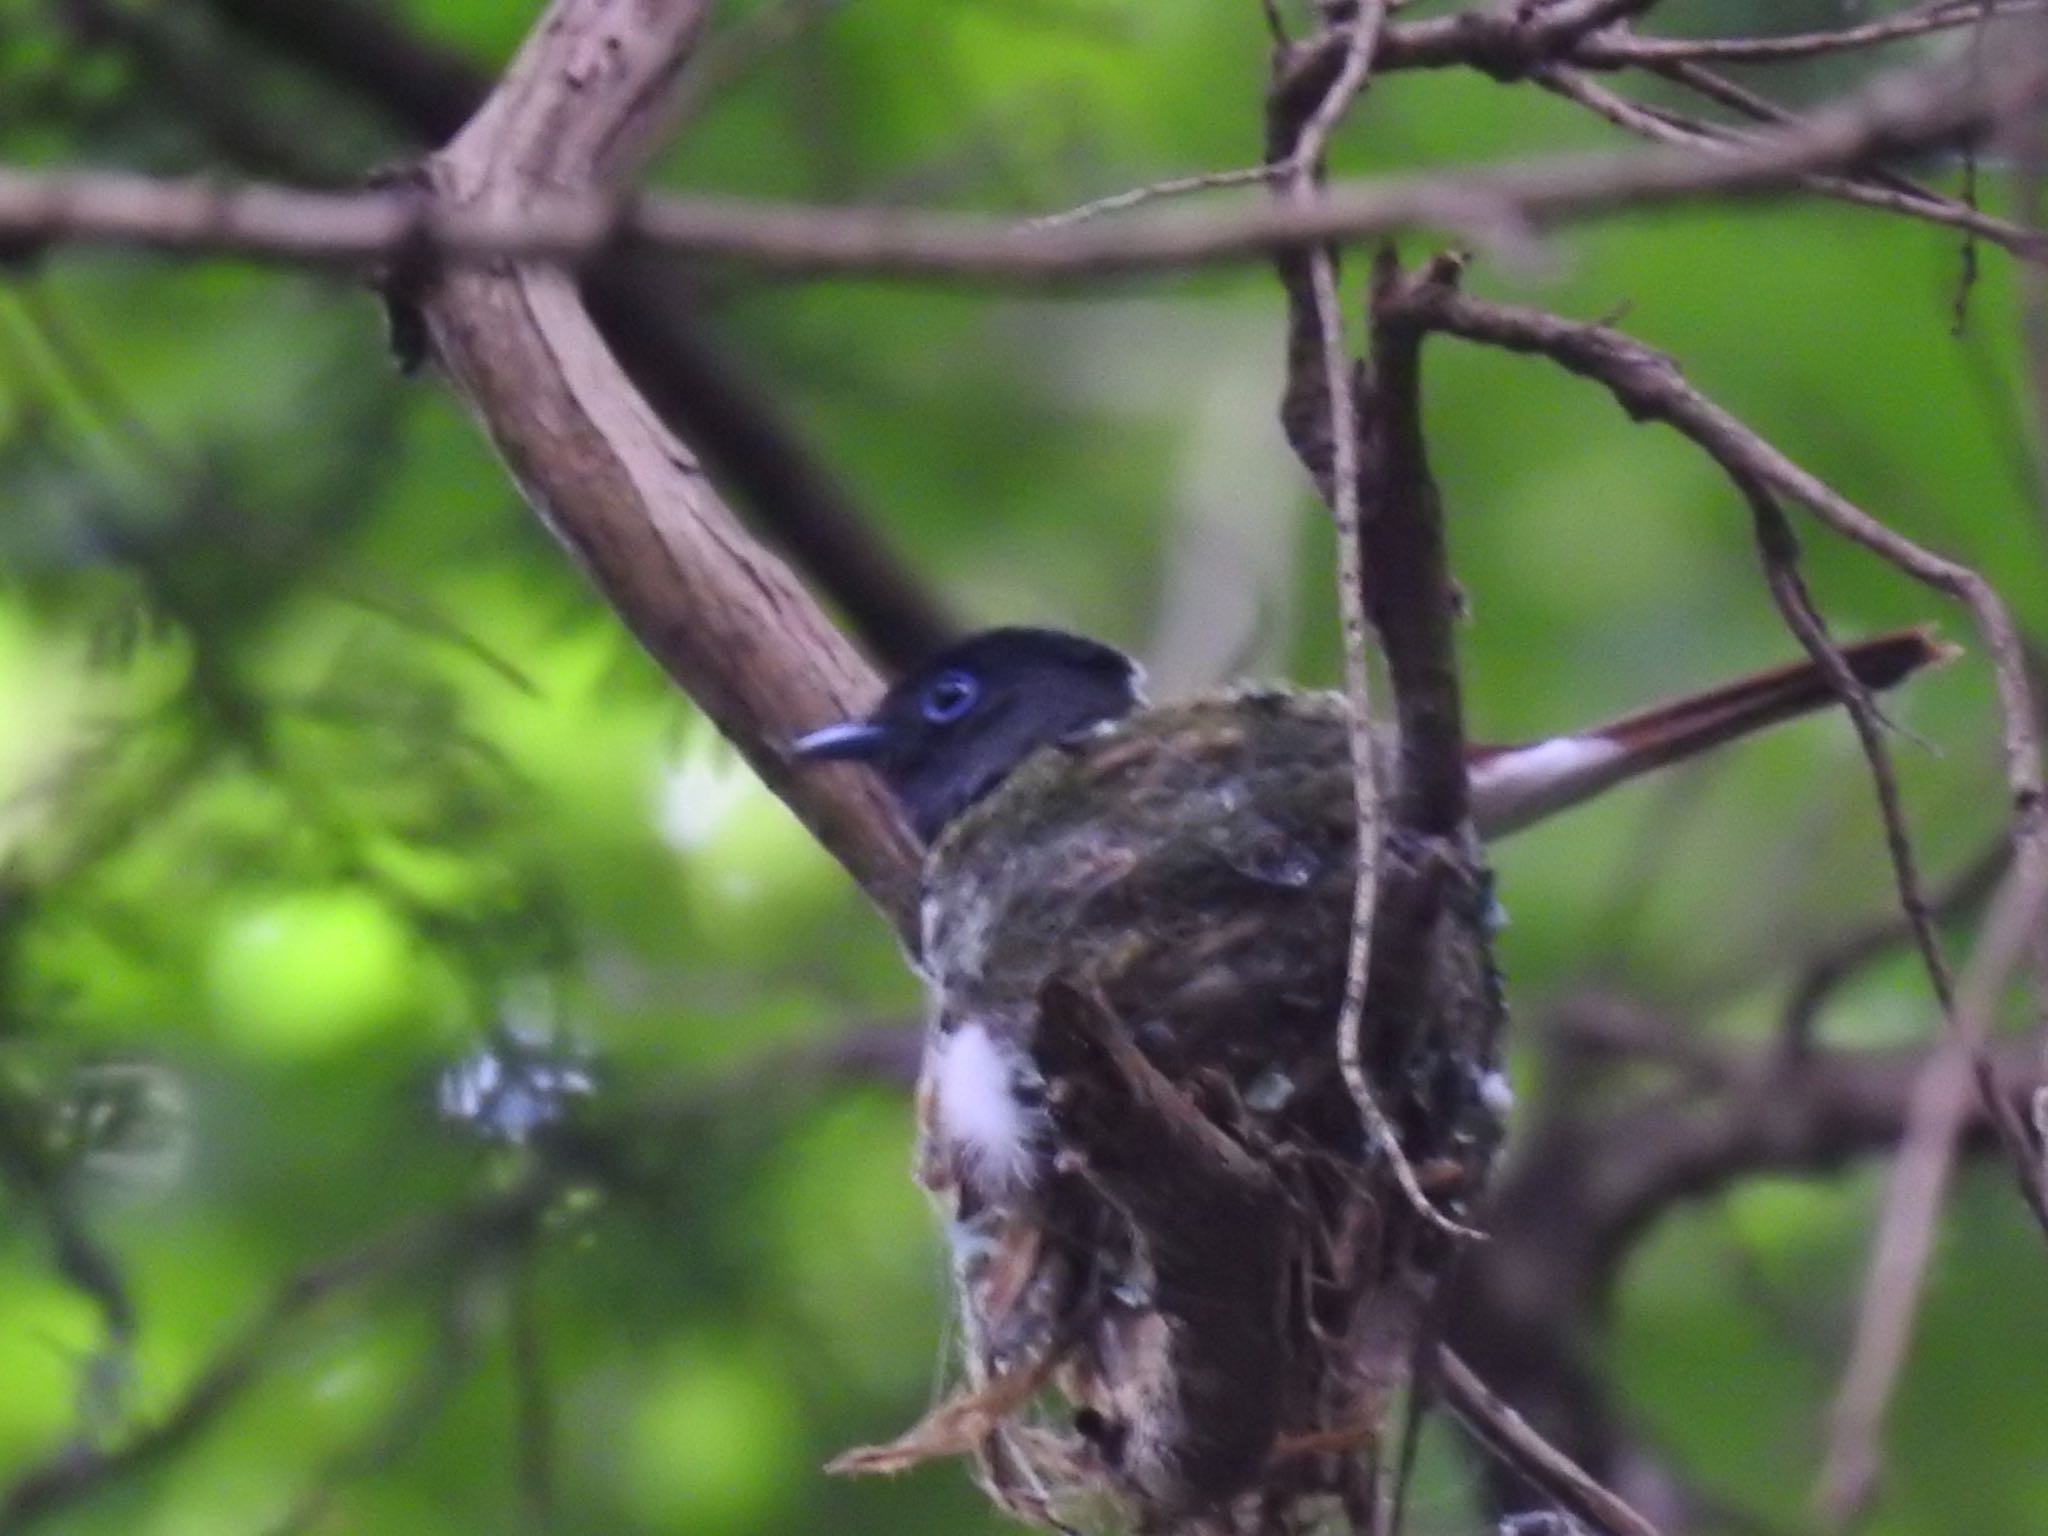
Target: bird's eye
x=949 y=696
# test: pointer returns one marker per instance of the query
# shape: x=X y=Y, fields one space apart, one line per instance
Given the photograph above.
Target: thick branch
x=642 y=306
x=577 y=107
x=1578 y=1198
x=1414 y=600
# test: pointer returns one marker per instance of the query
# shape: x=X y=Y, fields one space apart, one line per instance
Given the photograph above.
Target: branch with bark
x=1935 y=107
x=647 y=308
x=577 y=110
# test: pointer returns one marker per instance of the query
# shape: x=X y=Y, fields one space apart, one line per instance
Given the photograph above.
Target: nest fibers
x=1188 y=1284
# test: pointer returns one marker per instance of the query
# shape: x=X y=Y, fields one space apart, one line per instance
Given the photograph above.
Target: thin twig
x=1176 y=186
x=1341 y=404
x=1913 y=1199
x=1613 y=52
x=1962 y=212
x=1508 y=1437
x=1898 y=195
x=1779 y=548
x=1344 y=509
x=1649 y=386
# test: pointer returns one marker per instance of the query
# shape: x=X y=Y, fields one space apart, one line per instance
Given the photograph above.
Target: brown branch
x=642 y=306
x=577 y=108
x=1414 y=600
x=1913 y=1201
x=1779 y=549
x=1924 y=109
x=1897 y=194
x=1649 y=386
x=1310 y=92
x=1316 y=331
x=1618 y=51
x=1872 y=189
x=1581 y=1193
x=1508 y=1436
x=1508 y=42
x=749 y=448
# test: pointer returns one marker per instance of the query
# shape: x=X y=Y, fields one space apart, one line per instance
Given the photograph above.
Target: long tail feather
x=1514 y=786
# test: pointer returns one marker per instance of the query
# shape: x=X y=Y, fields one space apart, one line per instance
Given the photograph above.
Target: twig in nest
x=959 y=1426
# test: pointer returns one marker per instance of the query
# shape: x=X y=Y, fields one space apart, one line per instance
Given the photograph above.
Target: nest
x=1197 y=1310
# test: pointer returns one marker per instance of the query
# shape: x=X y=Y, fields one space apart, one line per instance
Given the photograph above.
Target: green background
x=318 y=759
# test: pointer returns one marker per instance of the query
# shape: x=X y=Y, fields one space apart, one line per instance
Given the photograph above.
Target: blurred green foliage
x=318 y=761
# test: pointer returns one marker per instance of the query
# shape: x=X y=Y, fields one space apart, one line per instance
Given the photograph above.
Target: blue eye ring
x=949 y=696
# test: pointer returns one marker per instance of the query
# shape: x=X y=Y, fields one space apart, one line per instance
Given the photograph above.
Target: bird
x=1194 y=862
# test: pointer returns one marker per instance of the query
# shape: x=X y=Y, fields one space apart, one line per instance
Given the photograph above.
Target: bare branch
x=1650 y=387
x=578 y=106
x=1924 y=109
x=1897 y=194
x=1510 y=42
x=1414 y=600
x=1913 y=1201
x=646 y=307
x=1615 y=51
x=1779 y=548
x=1508 y=1436
x=1311 y=91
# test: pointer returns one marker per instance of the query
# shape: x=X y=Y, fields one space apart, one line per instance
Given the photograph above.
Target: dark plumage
x=947 y=734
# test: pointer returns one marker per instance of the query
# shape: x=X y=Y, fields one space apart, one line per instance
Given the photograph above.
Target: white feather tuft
x=975 y=1095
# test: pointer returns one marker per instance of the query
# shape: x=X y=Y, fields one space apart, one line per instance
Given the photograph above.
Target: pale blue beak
x=846 y=741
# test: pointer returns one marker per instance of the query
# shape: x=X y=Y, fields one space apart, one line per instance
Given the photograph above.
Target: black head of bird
x=951 y=731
